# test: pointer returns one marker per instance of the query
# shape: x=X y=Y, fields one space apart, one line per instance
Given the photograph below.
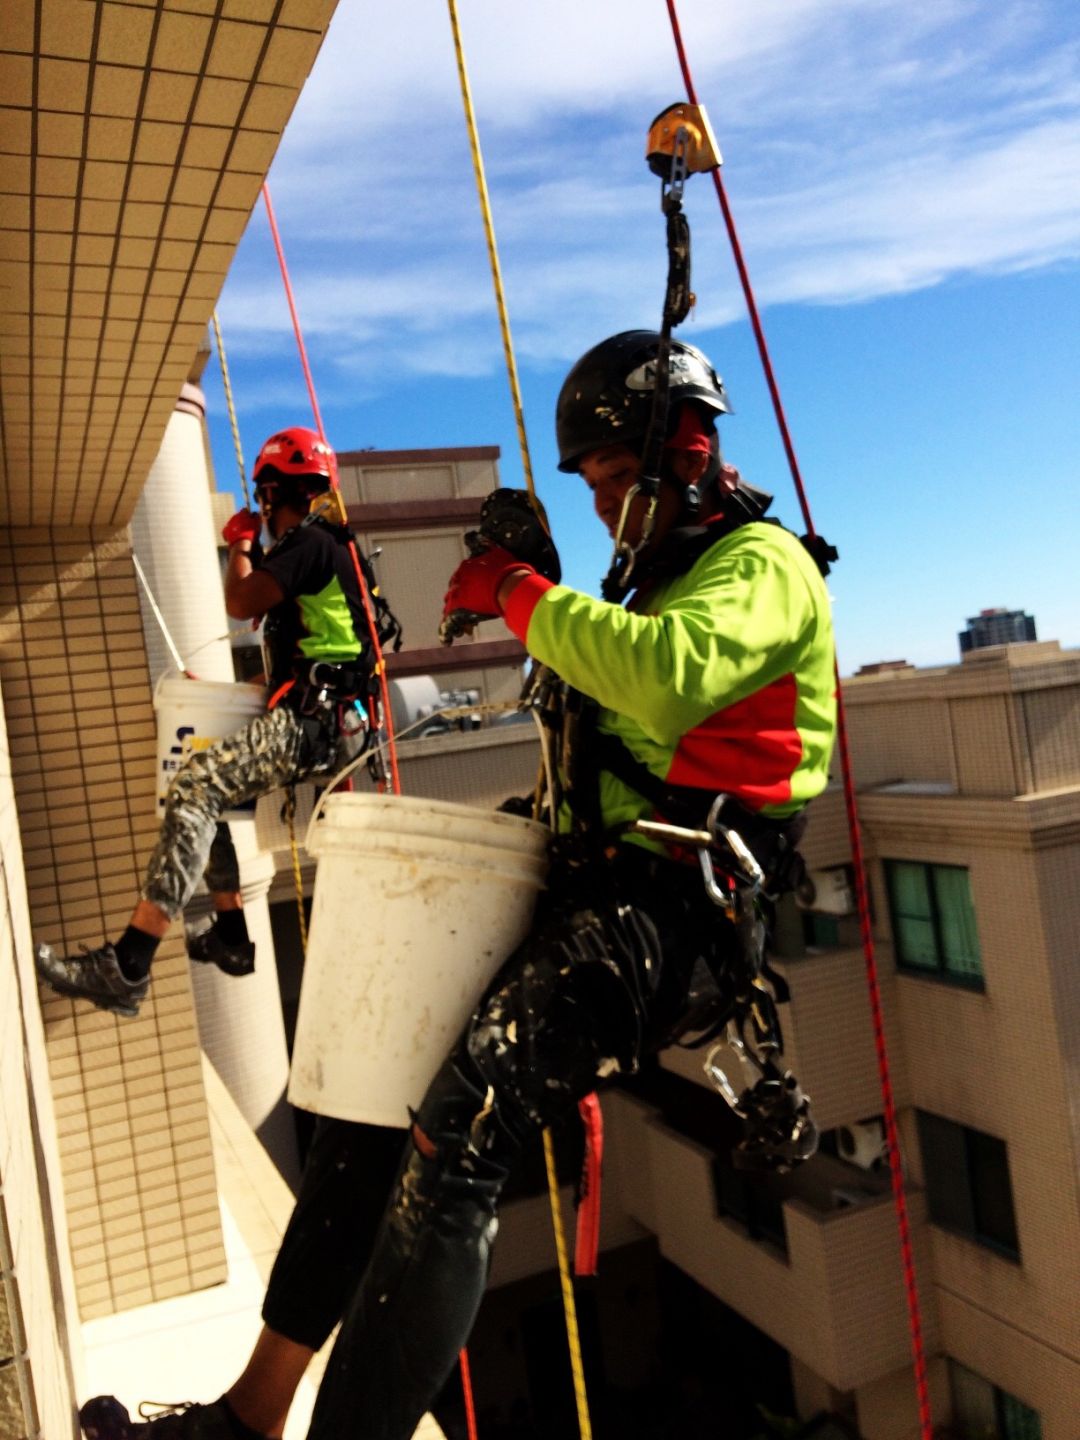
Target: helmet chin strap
x=624 y=556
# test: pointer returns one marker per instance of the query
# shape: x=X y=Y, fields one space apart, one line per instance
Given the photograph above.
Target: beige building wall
x=995 y=790
x=138 y=1179
x=36 y=1285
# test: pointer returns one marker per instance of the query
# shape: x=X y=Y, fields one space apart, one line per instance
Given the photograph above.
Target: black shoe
x=94 y=975
x=208 y=948
x=104 y=1418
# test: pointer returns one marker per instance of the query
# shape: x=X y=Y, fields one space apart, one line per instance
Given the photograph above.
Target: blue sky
x=905 y=182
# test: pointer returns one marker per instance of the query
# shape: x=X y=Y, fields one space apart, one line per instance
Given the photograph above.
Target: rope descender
x=684 y=129
x=680 y=143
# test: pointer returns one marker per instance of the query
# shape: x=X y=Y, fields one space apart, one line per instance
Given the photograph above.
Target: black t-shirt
x=322 y=615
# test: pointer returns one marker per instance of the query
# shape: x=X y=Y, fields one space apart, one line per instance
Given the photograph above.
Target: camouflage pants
x=270 y=751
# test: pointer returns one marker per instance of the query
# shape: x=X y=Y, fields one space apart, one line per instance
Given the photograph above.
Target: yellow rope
x=572 y=1337
x=290 y=812
x=231 y=408
x=493 y=256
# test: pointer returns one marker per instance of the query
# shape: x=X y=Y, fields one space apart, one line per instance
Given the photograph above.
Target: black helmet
x=607 y=397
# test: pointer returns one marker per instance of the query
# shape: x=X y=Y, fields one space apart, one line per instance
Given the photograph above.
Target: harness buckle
x=736 y=844
x=747 y=872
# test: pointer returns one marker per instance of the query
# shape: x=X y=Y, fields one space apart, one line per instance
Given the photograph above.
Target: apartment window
x=933 y=921
x=751 y=1200
x=967 y=1182
x=821 y=932
x=981 y=1409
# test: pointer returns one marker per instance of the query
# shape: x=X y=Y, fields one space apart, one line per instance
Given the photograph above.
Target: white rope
x=451 y=712
x=158 y=616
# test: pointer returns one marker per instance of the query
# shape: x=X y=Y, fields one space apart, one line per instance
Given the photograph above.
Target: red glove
x=474 y=585
x=244 y=525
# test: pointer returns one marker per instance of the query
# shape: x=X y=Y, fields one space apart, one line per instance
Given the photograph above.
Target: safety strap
x=689 y=805
x=587 y=1240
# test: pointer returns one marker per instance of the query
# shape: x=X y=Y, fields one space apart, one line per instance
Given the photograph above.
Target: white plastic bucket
x=417 y=903
x=191 y=715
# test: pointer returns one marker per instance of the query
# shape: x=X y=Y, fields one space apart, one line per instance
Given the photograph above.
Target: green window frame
x=981 y=1409
x=933 y=922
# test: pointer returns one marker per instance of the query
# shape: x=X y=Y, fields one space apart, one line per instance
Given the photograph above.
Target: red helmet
x=297 y=454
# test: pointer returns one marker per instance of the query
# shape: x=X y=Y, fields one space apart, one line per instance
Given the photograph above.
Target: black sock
x=231 y=926
x=236 y=1425
x=134 y=953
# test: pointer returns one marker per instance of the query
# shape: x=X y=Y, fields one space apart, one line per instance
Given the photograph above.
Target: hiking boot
x=104 y=1418
x=209 y=948
x=94 y=975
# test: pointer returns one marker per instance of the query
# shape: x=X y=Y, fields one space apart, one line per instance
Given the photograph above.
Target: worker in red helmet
x=306 y=589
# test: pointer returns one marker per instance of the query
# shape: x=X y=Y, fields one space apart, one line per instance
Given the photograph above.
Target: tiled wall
x=136 y=136
x=35 y=1286
x=134 y=1138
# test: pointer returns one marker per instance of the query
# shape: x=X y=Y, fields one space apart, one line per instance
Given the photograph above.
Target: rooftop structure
x=996 y=627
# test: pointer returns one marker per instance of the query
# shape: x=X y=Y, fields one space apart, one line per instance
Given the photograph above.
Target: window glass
x=1018 y=1421
x=933 y=920
x=948 y=1192
x=913 y=914
x=972 y=1402
x=991 y=1191
x=822 y=931
x=959 y=941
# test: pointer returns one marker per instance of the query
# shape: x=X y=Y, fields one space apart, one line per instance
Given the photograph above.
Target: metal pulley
x=697 y=149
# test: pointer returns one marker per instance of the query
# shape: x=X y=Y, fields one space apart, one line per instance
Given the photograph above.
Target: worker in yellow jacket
x=703 y=690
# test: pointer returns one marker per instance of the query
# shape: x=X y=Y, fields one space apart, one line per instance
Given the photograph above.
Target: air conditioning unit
x=413 y=698
x=862 y=1144
x=827 y=891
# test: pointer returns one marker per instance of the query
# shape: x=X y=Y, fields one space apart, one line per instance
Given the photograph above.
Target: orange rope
x=369 y=613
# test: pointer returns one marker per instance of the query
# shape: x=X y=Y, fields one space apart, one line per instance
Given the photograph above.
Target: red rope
x=892 y=1136
x=369 y=613
x=467 y=1392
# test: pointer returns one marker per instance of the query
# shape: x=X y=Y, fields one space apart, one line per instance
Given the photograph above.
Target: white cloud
x=873 y=148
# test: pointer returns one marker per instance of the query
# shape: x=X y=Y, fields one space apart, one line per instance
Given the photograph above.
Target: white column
x=240 y=1020
x=174 y=537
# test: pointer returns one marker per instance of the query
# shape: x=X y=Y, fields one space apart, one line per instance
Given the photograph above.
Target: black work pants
x=599 y=982
x=348 y=1176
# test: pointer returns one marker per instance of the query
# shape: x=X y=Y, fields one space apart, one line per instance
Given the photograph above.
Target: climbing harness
x=858 y=862
x=780 y=1131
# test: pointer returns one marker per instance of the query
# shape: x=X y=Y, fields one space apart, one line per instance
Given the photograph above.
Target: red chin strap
x=690 y=433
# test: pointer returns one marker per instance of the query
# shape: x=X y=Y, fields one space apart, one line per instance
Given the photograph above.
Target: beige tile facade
x=135 y=139
x=36 y=1288
x=139 y=1187
x=1001 y=737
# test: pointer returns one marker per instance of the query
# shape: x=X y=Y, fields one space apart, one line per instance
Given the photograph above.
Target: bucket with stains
x=417 y=903
x=191 y=715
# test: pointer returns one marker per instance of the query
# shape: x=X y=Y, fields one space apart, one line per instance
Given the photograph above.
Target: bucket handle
x=451 y=712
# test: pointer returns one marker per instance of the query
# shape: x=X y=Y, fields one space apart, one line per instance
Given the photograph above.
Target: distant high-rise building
x=996 y=627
